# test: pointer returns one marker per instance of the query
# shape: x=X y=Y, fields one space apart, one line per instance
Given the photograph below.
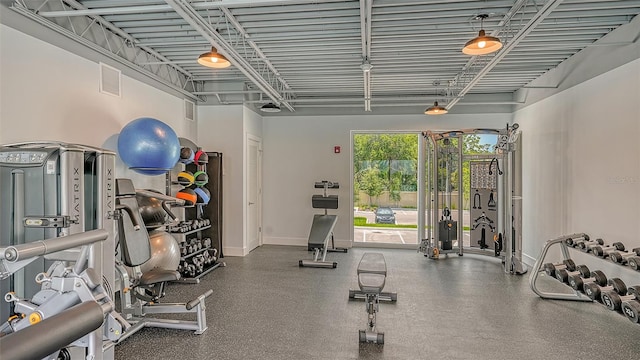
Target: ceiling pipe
x=205 y=29
x=163 y=8
x=548 y=7
x=365 y=38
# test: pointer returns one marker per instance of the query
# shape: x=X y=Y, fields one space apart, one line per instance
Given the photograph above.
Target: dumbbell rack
x=198 y=256
x=538 y=268
x=199 y=253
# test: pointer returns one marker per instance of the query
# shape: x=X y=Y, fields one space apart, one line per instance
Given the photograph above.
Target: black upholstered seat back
x=134 y=244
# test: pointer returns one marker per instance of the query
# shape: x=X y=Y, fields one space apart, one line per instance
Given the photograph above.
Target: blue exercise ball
x=149 y=146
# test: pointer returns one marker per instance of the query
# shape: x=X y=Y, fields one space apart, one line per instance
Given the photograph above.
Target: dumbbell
x=586 y=246
x=573 y=242
x=634 y=262
x=631 y=309
x=594 y=291
x=581 y=271
x=550 y=268
x=577 y=281
x=620 y=257
x=604 y=251
x=613 y=300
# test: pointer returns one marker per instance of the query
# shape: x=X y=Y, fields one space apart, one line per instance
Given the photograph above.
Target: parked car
x=384 y=215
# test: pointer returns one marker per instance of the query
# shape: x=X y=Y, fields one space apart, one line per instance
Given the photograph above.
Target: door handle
x=251 y=203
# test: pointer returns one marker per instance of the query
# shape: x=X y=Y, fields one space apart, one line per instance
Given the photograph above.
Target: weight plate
x=631 y=309
x=599 y=277
x=570 y=264
x=592 y=290
x=618 y=245
x=584 y=271
x=618 y=285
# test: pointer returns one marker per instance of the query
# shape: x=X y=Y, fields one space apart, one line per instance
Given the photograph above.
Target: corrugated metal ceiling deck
x=309 y=53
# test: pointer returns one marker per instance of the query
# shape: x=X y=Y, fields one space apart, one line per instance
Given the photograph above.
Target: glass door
x=385 y=188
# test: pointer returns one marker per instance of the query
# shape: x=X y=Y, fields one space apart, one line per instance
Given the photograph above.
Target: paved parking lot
x=394 y=235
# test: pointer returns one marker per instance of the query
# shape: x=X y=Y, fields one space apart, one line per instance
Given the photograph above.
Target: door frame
x=420 y=191
x=250 y=138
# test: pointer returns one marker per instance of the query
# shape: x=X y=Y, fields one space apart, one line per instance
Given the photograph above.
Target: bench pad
x=372 y=263
x=371 y=283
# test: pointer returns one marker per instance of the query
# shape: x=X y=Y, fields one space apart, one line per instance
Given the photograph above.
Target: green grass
x=362 y=221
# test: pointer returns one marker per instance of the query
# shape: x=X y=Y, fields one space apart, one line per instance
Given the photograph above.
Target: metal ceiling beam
x=232 y=19
x=187 y=12
x=116 y=10
x=544 y=11
x=170 y=75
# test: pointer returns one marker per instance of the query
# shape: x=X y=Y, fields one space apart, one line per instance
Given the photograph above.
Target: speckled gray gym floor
x=265 y=307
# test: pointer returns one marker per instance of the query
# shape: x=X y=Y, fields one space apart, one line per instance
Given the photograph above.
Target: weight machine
x=58 y=209
x=495 y=219
x=54 y=190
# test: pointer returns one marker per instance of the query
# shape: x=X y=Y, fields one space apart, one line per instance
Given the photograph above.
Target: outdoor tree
x=391 y=154
x=371 y=183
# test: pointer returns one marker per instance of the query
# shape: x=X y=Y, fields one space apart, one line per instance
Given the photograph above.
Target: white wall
x=224 y=128
x=298 y=151
x=220 y=128
x=51 y=94
x=581 y=162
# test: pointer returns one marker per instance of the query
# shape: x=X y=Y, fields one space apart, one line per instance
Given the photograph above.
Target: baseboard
x=234 y=251
x=299 y=241
x=267 y=240
x=528 y=260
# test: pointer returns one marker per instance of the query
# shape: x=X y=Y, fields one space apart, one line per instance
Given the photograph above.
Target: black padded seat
x=156 y=275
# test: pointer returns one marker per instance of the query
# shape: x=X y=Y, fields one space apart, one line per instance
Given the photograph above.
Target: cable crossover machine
x=494 y=209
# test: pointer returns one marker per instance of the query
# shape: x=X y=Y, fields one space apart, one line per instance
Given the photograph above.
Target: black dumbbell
x=573 y=242
x=631 y=309
x=576 y=281
x=586 y=246
x=550 y=268
x=604 y=251
x=593 y=290
x=634 y=262
x=581 y=271
x=613 y=300
x=621 y=257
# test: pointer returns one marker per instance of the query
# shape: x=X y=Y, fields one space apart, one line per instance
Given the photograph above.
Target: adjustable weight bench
x=372 y=263
x=321 y=232
x=372 y=274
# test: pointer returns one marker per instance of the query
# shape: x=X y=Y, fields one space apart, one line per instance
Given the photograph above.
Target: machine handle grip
x=43 y=247
x=193 y=303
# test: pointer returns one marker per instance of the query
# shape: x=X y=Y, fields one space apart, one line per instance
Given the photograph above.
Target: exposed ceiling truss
x=316 y=55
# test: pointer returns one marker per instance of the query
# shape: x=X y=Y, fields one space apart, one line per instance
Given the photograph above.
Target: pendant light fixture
x=436 y=109
x=213 y=59
x=482 y=44
x=270 y=108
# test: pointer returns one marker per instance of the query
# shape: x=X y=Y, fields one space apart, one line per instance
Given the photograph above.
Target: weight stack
x=447 y=232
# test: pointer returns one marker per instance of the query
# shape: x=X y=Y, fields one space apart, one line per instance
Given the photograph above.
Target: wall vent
x=189 y=110
x=109 y=80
